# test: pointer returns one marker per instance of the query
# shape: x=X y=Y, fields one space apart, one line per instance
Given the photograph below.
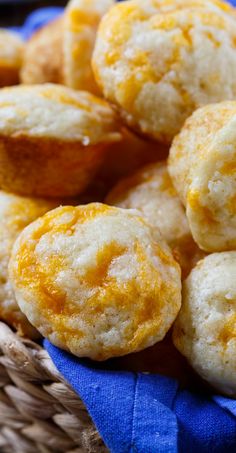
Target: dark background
x=15 y=12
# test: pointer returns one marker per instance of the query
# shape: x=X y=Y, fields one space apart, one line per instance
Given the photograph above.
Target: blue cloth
x=138 y=412
x=146 y=413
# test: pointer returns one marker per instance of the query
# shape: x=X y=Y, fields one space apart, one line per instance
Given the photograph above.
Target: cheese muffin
x=61 y=51
x=82 y=18
x=11 y=53
x=42 y=60
x=95 y=280
x=202 y=164
x=15 y=214
x=158 y=61
x=52 y=139
x=205 y=330
x=151 y=191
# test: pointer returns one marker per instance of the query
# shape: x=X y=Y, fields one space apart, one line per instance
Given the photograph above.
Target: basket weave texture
x=39 y=412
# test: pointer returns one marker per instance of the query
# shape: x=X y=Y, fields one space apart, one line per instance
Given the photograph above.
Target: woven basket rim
x=39 y=411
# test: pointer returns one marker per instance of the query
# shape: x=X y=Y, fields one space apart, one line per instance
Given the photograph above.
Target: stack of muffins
x=118 y=181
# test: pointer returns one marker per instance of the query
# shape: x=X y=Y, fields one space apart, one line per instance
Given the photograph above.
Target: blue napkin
x=147 y=413
x=140 y=412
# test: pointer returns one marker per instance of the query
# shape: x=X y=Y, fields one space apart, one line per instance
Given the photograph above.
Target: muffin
x=61 y=51
x=11 y=53
x=95 y=280
x=151 y=191
x=15 y=214
x=52 y=139
x=158 y=61
x=42 y=60
x=202 y=165
x=205 y=330
x=82 y=18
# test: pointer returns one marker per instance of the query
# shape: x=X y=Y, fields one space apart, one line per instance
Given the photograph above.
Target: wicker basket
x=39 y=412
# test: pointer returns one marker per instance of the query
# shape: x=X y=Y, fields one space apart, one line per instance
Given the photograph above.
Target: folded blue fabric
x=139 y=412
x=146 y=413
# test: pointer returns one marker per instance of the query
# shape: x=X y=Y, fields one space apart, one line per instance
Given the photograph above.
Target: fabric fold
x=147 y=413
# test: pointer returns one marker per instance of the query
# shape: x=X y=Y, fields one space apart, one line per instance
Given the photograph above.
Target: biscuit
x=11 y=54
x=158 y=61
x=151 y=191
x=52 y=139
x=95 y=280
x=205 y=330
x=81 y=20
x=15 y=214
x=42 y=60
x=202 y=165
